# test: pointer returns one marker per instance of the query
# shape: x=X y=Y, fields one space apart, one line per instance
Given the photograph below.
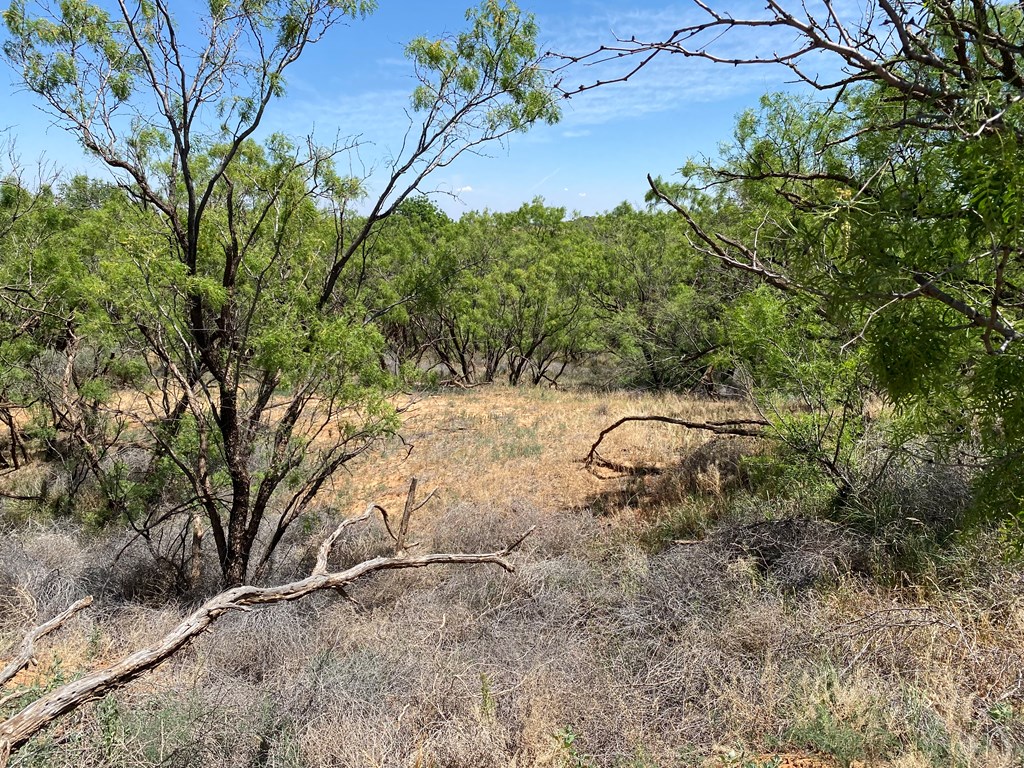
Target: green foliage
x=20 y=696
x=531 y=293
x=858 y=735
x=813 y=390
x=516 y=442
x=221 y=293
x=488 y=704
x=491 y=293
x=658 y=300
x=887 y=242
x=172 y=731
x=493 y=63
x=690 y=519
x=570 y=754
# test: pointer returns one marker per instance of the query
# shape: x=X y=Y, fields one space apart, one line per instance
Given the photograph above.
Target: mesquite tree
x=260 y=363
x=893 y=204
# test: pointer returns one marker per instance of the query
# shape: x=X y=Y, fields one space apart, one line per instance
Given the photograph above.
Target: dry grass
x=726 y=653
x=499 y=445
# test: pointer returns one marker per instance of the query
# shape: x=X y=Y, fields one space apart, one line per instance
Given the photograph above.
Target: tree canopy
x=223 y=282
x=892 y=202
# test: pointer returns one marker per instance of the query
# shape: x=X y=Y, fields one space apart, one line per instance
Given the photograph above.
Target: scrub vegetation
x=748 y=459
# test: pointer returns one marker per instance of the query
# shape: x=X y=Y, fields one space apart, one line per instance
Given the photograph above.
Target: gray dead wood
x=19 y=728
x=737 y=427
x=26 y=652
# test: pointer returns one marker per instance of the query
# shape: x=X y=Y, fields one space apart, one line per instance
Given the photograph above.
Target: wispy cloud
x=378 y=115
x=546 y=179
x=393 y=62
x=669 y=81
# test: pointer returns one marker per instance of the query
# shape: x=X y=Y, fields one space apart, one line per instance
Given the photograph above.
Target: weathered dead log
x=737 y=427
x=38 y=715
x=26 y=651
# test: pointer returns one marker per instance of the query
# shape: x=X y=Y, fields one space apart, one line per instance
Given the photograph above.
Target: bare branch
x=910 y=55
x=989 y=322
x=26 y=652
x=403 y=526
x=19 y=728
x=716 y=246
x=736 y=427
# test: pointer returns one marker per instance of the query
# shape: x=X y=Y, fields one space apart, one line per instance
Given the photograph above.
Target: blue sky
x=357 y=83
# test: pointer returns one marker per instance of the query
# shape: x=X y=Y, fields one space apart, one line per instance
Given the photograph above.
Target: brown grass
x=499 y=445
x=597 y=652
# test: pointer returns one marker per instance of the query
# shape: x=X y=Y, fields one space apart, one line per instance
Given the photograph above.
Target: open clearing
x=498 y=445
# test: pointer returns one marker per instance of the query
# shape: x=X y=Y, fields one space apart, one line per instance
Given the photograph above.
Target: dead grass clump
x=715 y=468
x=765 y=630
x=798 y=552
x=479 y=527
x=258 y=644
x=132 y=575
x=914 y=488
x=17 y=606
x=466 y=741
x=687 y=581
x=41 y=568
x=599 y=655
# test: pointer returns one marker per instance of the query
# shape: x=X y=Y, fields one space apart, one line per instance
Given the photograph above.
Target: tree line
x=848 y=263
x=99 y=367
x=198 y=348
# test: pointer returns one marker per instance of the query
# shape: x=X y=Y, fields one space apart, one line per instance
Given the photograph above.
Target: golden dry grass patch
x=85 y=645
x=503 y=445
x=68 y=652
x=495 y=444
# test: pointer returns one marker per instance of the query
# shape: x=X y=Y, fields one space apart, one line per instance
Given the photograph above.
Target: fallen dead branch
x=737 y=427
x=33 y=718
x=26 y=652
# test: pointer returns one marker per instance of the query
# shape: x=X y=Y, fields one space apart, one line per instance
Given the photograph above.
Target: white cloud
x=583 y=194
x=668 y=82
x=380 y=115
x=576 y=134
x=466 y=188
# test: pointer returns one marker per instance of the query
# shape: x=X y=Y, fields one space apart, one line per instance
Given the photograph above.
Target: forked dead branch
x=735 y=427
x=38 y=715
x=25 y=655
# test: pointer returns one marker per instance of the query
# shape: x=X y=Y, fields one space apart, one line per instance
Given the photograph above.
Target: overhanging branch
x=735 y=427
